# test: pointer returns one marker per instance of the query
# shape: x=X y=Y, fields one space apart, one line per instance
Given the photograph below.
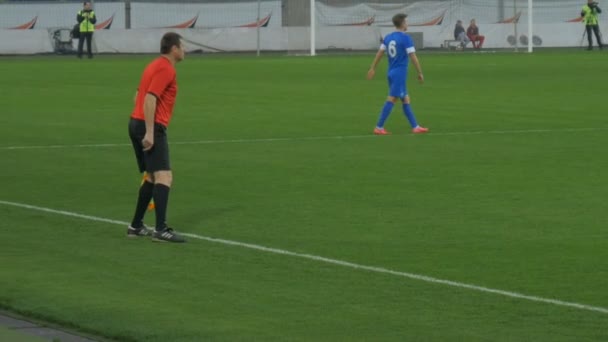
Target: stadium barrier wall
x=238 y=39
x=25 y=42
x=17 y=42
x=232 y=27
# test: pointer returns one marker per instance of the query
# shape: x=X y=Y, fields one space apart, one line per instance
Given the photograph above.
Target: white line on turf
x=338 y=137
x=317 y=258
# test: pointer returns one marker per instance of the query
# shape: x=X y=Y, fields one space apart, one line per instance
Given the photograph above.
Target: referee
x=154 y=101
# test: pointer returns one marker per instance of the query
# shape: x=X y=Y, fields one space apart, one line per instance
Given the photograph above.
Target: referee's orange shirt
x=158 y=79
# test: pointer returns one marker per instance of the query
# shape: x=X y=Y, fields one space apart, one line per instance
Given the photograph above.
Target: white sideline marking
x=334 y=262
x=338 y=137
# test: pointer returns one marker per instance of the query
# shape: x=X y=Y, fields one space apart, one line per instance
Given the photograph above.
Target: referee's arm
x=149 y=111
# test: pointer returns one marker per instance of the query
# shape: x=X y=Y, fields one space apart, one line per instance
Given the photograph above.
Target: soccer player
x=154 y=102
x=400 y=48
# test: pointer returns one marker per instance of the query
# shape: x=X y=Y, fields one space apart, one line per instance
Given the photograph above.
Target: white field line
x=336 y=262
x=337 y=137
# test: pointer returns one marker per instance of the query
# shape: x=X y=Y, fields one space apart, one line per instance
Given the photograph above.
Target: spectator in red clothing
x=473 y=34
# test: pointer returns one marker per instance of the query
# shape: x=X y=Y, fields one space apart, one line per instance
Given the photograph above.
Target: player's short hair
x=398 y=19
x=169 y=40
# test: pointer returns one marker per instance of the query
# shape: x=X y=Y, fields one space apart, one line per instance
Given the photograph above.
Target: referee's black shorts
x=155 y=159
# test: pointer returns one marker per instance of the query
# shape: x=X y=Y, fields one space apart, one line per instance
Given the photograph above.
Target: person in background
x=473 y=34
x=460 y=34
x=590 y=15
x=86 y=18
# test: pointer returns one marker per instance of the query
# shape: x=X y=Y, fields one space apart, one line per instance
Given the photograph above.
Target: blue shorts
x=396 y=83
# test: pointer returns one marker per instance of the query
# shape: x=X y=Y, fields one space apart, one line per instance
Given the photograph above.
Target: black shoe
x=590 y=48
x=90 y=56
x=142 y=231
x=167 y=235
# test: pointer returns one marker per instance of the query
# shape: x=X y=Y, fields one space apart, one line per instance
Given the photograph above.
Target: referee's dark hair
x=169 y=40
x=398 y=19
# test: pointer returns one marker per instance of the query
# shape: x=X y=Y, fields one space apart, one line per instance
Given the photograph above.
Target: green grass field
x=508 y=193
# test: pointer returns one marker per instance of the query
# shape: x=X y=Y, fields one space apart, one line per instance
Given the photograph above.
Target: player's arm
x=372 y=69
x=416 y=63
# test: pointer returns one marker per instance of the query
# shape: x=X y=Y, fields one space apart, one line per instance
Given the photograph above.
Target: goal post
x=530 y=26
x=313 y=28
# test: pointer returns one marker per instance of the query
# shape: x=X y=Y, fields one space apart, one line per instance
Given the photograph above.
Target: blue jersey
x=398 y=45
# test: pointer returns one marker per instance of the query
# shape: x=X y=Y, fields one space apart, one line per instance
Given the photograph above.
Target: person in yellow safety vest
x=86 y=18
x=590 y=14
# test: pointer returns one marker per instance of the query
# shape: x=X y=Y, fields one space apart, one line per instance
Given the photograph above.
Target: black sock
x=161 y=199
x=145 y=195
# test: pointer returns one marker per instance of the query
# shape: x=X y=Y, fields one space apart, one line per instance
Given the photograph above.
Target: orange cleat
x=151 y=205
x=420 y=130
x=381 y=131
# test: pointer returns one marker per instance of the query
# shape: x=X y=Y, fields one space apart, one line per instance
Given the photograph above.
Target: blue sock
x=386 y=111
x=407 y=110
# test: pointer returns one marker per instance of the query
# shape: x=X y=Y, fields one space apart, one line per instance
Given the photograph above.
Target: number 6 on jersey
x=392 y=49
